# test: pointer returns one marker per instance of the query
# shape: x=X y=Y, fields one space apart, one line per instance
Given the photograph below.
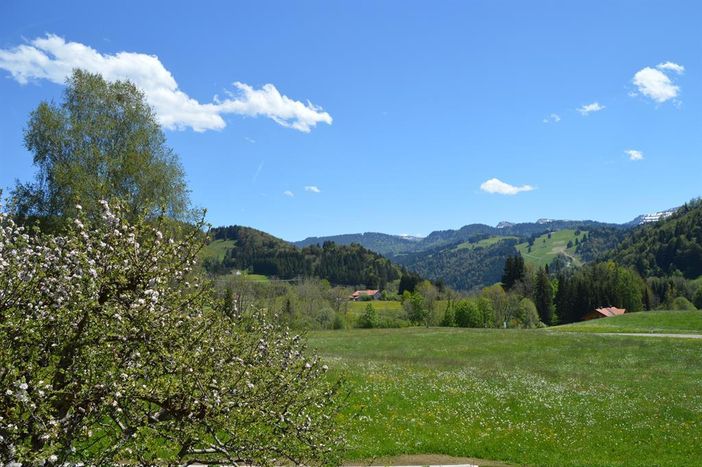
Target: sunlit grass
x=672 y=322
x=545 y=249
x=528 y=397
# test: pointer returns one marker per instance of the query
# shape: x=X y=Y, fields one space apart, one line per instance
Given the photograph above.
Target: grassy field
x=386 y=306
x=521 y=396
x=389 y=311
x=381 y=306
x=546 y=249
x=486 y=242
x=217 y=249
x=667 y=322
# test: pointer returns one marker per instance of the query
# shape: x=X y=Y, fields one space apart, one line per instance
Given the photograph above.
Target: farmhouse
x=359 y=294
x=604 y=313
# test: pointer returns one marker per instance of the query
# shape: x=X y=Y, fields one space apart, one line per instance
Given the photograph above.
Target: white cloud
x=634 y=155
x=250 y=140
x=312 y=189
x=288 y=193
x=679 y=69
x=52 y=58
x=552 y=118
x=589 y=108
x=499 y=187
x=655 y=84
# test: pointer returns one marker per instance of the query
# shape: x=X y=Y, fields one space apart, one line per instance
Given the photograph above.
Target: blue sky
x=392 y=114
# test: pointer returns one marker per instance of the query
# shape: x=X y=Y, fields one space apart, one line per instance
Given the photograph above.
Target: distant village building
x=359 y=294
x=606 y=312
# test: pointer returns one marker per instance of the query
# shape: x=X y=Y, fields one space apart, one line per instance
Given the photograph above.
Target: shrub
x=528 y=316
x=698 y=299
x=449 y=319
x=468 y=315
x=339 y=321
x=682 y=304
x=369 y=318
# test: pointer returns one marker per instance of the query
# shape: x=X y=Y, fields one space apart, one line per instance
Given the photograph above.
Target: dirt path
x=427 y=459
x=649 y=334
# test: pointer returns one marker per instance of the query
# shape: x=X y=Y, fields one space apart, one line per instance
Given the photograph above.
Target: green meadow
x=484 y=243
x=545 y=249
x=217 y=249
x=529 y=397
x=664 y=322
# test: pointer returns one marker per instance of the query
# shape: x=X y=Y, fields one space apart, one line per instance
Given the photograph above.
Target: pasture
x=519 y=396
x=545 y=249
x=665 y=322
x=484 y=243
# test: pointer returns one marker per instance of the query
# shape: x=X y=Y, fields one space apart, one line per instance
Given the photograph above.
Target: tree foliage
x=369 y=319
x=113 y=351
x=598 y=285
x=101 y=142
x=543 y=297
x=514 y=271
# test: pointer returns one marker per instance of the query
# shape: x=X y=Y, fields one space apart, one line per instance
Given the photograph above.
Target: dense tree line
x=597 y=285
x=598 y=241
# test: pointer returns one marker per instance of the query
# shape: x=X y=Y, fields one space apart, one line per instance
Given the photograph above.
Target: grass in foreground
x=527 y=397
x=666 y=322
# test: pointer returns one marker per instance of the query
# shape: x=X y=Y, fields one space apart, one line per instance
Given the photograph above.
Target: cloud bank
x=52 y=58
x=497 y=186
x=655 y=84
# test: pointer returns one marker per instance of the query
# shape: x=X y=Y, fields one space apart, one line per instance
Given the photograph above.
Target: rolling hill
x=254 y=251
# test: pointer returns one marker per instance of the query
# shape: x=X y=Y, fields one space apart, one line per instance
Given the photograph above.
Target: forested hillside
x=390 y=245
x=384 y=244
x=668 y=247
x=460 y=267
x=244 y=248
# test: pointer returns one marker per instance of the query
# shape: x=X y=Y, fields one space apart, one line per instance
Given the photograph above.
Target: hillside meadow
x=547 y=246
x=520 y=396
x=664 y=322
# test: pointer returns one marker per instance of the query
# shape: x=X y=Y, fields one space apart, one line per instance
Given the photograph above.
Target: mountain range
x=467 y=258
x=474 y=255
x=390 y=244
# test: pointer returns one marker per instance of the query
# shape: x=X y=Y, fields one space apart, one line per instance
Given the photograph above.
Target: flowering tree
x=114 y=350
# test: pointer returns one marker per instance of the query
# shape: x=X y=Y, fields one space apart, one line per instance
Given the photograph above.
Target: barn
x=605 y=312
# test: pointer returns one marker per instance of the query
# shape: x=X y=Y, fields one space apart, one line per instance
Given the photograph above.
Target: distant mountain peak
x=505 y=225
x=409 y=237
x=652 y=217
x=544 y=221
